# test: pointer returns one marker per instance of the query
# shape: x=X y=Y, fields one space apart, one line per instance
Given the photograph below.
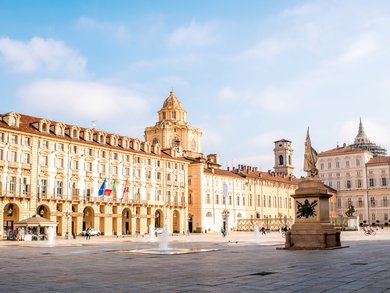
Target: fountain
x=164 y=240
x=164 y=248
x=50 y=235
x=256 y=234
x=151 y=232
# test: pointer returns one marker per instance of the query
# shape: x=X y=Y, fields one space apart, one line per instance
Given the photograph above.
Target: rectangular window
x=114 y=170
x=371 y=182
x=243 y=200
x=359 y=183
x=372 y=201
x=26 y=141
x=88 y=166
x=25 y=185
x=44 y=144
x=12 y=184
x=339 y=203
x=75 y=165
x=322 y=166
x=102 y=168
x=60 y=147
x=60 y=163
x=1 y=155
x=385 y=201
x=338 y=184
x=115 y=156
x=384 y=181
x=208 y=199
x=59 y=188
x=44 y=161
x=230 y=200
x=337 y=164
x=216 y=199
x=26 y=158
x=269 y=201
x=360 y=202
x=348 y=184
x=13 y=139
x=357 y=162
x=238 y=200
x=329 y=165
x=126 y=158
x=2 y=136
x=386 y=217
x=43 y=186
x=13 y=157
x=258 y=200
x=88 y=152
x=347 y=164
x=126 y=171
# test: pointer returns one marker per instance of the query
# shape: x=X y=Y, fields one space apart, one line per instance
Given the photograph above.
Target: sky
x=248 y=73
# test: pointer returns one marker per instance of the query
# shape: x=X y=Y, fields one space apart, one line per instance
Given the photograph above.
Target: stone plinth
x=312 y=228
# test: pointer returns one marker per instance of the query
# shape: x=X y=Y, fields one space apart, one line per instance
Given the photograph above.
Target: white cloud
x=118 y=32
x=194 y=35
x=227 y=94
x=267 y=50
x=76 y=99
x=41 y=55
x=364 y=47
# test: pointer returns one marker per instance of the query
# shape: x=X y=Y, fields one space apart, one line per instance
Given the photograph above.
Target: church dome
x=172 y=102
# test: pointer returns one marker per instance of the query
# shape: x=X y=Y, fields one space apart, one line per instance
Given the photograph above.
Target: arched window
x=155 y=140
x=281 y=161
x=209 y=214
x=239 y=215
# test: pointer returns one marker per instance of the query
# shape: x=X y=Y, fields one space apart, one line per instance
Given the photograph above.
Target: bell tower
x=173 y=130
x=283 y=157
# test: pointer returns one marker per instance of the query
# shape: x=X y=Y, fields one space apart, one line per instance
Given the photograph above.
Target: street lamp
x=67 y=216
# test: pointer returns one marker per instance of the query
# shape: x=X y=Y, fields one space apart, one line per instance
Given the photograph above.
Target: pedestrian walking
x=223 y=232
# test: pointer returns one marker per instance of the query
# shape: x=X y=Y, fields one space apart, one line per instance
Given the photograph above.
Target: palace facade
x=57 y=171
x=361 y=174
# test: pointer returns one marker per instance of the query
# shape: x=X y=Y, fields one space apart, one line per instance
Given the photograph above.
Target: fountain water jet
x=256 y=234
x=164 y=240
x=151 y=232
x=50 y=235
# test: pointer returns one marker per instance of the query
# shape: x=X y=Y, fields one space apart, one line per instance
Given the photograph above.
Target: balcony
x=26 y=166
x=13 y=165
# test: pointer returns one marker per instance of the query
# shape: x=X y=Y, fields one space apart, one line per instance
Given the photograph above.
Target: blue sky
x=247 y=72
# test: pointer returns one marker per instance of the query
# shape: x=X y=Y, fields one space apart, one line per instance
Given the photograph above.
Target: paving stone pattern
x=238 y=265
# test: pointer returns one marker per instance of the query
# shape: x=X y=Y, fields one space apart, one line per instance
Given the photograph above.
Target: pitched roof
x=341 y=151
x=379 y=160
x=26 y=125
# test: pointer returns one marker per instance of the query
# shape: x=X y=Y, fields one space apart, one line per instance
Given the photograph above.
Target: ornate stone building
x=173 y=130
x=56 y=170
x=360 y=176
x=218 y=197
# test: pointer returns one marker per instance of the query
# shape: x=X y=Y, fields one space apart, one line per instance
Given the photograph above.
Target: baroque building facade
x=361 y=177
x=55 y=170
x=220 y=197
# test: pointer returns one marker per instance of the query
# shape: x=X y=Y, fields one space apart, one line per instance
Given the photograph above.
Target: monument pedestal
x=312 y=228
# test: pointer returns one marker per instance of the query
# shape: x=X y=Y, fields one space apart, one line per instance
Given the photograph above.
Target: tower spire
x=361 y=136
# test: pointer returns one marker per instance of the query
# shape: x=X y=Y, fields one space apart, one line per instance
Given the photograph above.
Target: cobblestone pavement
x=239 y=264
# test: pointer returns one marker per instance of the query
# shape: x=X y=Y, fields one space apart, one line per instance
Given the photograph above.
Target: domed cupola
x=172 y=110
x=172 y=102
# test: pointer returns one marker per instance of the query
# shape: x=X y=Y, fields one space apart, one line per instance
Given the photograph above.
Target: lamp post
x=67 y=216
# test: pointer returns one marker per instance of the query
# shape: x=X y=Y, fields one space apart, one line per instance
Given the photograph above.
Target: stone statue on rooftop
x=310 y=158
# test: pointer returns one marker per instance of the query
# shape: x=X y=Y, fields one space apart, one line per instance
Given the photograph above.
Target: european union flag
x=102 y=188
